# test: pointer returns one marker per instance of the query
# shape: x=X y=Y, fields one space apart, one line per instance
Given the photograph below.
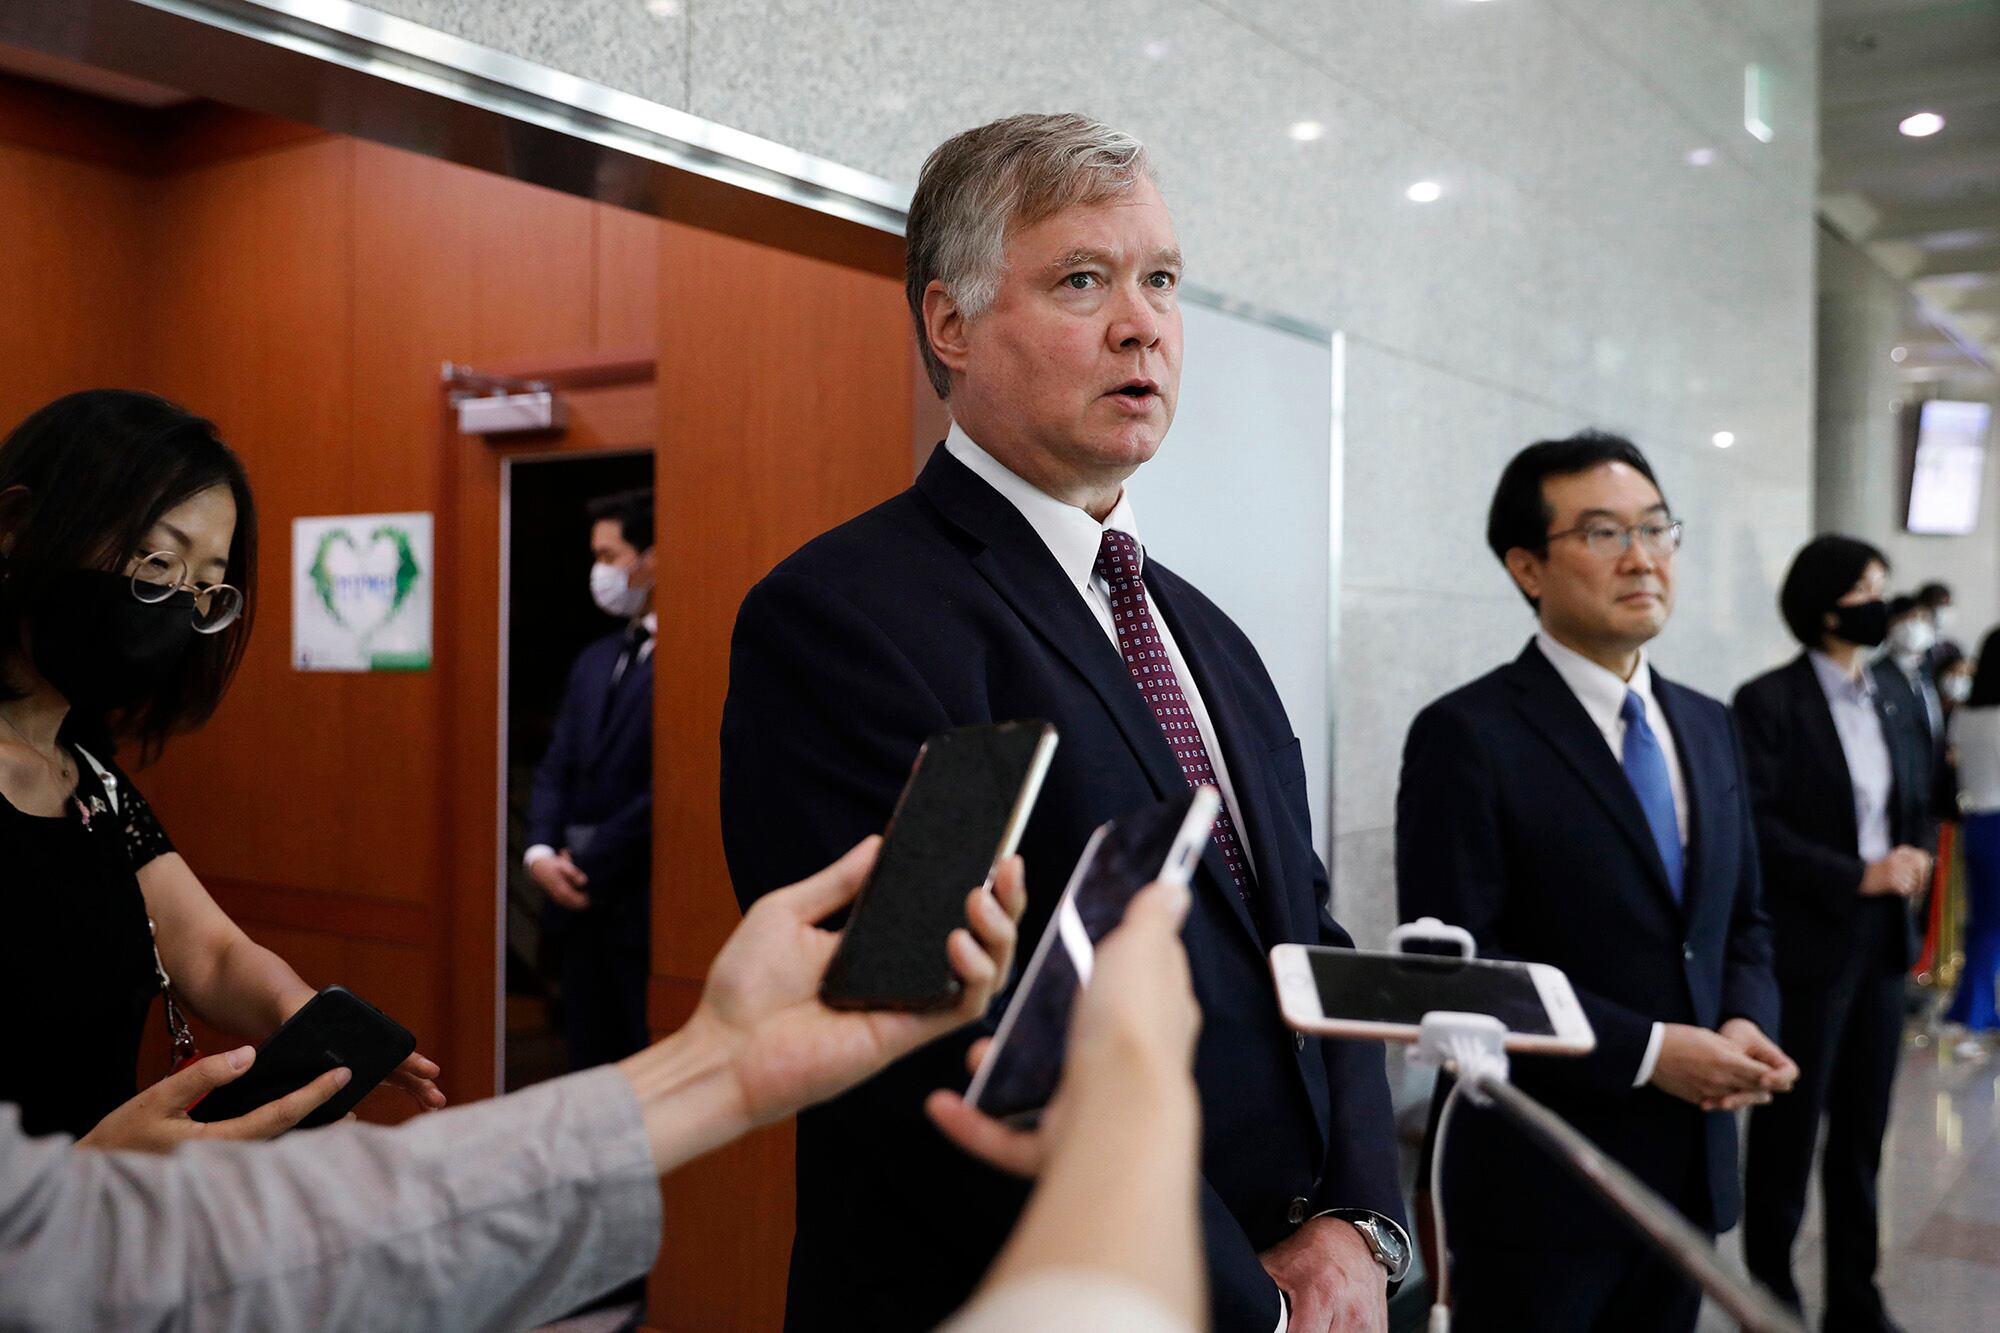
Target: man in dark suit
x=1841 y=781
x=590 y=812
x=1576 y=808
x=1009 y=583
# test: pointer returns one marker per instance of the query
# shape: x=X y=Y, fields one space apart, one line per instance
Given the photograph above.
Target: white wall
x=1862 y=482
x=1578 y=269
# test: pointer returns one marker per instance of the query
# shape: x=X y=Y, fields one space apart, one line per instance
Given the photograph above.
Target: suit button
x=1688 y=953
x=1297 y=1212
x=1298 y=1041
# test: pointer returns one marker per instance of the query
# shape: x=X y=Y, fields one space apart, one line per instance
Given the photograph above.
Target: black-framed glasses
x=1606 y=540
x=162 y=574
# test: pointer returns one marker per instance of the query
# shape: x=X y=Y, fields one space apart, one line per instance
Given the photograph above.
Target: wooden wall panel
x=785 y=407
x=72 y=276
x=626 y=313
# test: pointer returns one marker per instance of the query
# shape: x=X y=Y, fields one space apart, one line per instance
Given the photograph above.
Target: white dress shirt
x=1869 y=769
x=1073 y=538
x=1602 y=695
x=1975 y=738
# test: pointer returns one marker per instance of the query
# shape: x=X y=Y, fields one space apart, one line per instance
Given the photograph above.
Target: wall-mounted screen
x=1950 y=462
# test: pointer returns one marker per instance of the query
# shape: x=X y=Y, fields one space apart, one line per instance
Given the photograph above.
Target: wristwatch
x=1389 y=1243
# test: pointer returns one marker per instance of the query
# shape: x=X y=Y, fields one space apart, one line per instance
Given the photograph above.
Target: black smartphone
x=334 y=1028
x=959 y=816
x=1024 y=1063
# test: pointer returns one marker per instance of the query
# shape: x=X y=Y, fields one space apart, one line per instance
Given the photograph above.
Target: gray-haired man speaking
x=1043 y=277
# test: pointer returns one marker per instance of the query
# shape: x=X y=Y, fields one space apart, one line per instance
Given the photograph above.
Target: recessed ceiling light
x=1424 y=192
x=664 y=9
x=1922 y=125
x=1155 y=49
x=1701 y=157
x=1305 y=131
x=1722 y=439
x=1899 y=354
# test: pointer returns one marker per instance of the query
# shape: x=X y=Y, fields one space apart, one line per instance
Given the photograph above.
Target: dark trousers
x=603 y=962
x=1846 y=1034
x=1614 y=1283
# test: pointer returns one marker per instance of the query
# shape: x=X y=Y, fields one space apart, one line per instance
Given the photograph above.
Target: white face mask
x=1956 y=687
x=613 y=592
x=1944 y=616
x=1912 y=637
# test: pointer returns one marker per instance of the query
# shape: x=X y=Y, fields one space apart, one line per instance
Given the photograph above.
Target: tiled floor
x=1940 y=1200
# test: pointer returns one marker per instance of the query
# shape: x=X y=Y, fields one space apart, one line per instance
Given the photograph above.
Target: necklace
x=60 y=765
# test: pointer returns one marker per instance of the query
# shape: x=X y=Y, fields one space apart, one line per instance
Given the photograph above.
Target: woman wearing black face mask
x=1840 y=780
x=127 y=552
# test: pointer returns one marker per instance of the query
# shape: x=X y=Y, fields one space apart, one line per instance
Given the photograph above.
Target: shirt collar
x=1596 y=687
x=1836 y=683
x=1072 y=536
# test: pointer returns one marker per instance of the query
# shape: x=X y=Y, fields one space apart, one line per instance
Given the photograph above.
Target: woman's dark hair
x=1986 y=678
x=1520 y=513
x=632 y=511
x=82 y=481
x=1824 y=571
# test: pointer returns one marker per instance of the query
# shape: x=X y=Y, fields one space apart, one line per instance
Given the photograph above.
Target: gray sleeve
x=499 y=1215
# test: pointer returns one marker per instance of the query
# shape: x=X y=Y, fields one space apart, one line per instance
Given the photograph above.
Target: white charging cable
x=1471 y=1048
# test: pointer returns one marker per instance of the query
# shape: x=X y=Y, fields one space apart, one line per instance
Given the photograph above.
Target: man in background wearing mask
x=1936 y=599
x=590 y=813
x=1906 y=665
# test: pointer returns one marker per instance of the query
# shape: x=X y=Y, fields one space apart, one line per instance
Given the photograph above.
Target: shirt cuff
x=541 y=851
x=1651 y=1057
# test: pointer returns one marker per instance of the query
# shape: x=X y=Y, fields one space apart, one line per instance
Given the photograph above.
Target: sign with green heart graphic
x=361 y=593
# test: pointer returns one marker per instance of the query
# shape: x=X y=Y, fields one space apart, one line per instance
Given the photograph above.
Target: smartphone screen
x=960 y=814
x=1024 y=1064
x=1402 y=988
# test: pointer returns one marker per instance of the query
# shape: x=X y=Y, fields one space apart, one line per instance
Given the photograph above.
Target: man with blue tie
x=590 y=812
x=1574 y=807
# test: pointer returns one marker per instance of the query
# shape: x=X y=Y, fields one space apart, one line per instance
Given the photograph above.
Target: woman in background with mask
x=1975 y=744
x=1841 y=788
x=128 y=545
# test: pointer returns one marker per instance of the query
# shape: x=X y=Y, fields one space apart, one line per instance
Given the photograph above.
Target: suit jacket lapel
x=1824 y=737
x=624 y=698
x=1702 y=767
x=1012 y=558
x=1249 y=771
x=1549 y=706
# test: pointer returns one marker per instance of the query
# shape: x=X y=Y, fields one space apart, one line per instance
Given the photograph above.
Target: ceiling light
x=1922 y=125
x=1155 y=49
x=664 y=9
x=1899 y=354
x=1701 y=157
x=1722 y=439
x=1424 y=192
x=1305 y=131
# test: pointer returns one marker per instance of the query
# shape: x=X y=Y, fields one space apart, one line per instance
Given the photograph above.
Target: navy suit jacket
x=943 y=608
x=1515 y=821
x=1804 y=799
x=599 y=771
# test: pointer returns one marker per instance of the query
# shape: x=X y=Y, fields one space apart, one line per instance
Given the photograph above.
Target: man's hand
x=561 y=880
x=1330 y=1279
x=1135 y=1022
x=1709 y=1069
x=762 y=995
x=157 y=1119
x=1748 y=1038
x=1903 y=872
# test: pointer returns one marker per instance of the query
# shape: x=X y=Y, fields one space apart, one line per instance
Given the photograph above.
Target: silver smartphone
x=1161 y=842
x=1384 y=996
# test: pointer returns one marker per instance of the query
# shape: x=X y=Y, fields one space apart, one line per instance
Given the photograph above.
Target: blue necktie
x=1646 y=770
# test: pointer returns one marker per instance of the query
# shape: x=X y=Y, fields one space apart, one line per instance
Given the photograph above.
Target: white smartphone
x=1384 y=996
x=1161 y=842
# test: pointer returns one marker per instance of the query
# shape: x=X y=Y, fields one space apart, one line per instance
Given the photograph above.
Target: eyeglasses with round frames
x=162 y=574
x=1659 y=538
